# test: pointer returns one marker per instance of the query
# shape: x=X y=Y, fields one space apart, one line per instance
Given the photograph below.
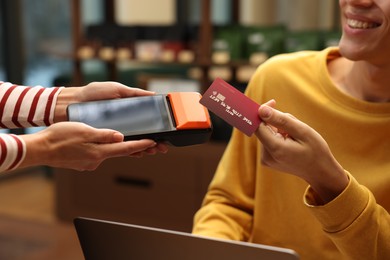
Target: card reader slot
x=170 y=109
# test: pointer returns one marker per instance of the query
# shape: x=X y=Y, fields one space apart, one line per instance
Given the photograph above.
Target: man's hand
x=292 y=146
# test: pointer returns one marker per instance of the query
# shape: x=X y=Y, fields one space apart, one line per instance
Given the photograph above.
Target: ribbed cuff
x=341 y=211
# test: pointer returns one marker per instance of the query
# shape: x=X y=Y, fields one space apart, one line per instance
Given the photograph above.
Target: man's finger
x=268 y=136
x=284 y=122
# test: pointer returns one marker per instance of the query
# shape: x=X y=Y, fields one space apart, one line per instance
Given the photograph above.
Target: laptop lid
x=100 y=239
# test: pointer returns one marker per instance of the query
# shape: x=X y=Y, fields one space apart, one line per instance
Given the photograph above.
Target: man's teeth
x=361 y=25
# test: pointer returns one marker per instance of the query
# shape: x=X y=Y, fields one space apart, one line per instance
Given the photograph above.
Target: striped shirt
x=22 y=106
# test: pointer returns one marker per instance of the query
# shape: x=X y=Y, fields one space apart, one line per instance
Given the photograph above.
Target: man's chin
x=351 y=51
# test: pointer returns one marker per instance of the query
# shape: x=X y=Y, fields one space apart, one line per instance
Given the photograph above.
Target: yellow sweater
x=250 y=202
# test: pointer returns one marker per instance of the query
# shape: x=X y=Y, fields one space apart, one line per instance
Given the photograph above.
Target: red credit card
x=232 y=106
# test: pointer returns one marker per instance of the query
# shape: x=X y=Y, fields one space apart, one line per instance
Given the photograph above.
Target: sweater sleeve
x=22 y=106
x=358 y=226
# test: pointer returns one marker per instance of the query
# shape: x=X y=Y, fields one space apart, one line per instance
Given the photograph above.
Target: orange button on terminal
x=188 y=112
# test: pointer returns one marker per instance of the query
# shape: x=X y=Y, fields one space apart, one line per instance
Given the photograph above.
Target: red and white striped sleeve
x=22 y=106
x=12 y=151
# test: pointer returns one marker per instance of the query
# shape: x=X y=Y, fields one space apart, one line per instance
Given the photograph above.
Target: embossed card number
x=231 y=105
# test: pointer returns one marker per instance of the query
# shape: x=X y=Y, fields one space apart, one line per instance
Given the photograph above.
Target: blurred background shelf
x=175 y=46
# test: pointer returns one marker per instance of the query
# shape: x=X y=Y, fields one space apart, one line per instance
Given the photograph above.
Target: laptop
x=100 y=239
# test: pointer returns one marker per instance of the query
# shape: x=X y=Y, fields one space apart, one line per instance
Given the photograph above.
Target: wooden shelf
x=202 y=56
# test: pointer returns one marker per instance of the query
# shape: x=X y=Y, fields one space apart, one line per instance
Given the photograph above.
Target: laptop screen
x=101 y=239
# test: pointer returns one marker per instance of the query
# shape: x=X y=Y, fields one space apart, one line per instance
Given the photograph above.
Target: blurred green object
x=132 y=76
x=311 y=40
x=229 y=39
x=331 y=38
x=266 y=40
x=303 y=40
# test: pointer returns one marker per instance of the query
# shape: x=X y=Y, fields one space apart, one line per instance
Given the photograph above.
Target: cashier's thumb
x=117 y=137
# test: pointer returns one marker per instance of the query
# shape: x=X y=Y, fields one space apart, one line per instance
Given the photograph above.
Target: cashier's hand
x=80 y=147
x=93 y=91
x=291 y=146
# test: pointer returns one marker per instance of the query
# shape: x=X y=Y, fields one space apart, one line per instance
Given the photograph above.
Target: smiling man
x=343 y=93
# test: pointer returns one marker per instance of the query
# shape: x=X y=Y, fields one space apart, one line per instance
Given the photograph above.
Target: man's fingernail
x=265 y=111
